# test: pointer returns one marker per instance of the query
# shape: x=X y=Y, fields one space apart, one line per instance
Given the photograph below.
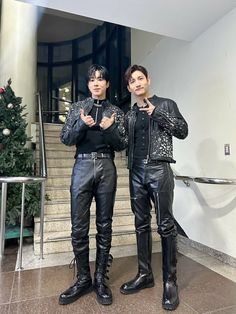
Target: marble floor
x=205 y=286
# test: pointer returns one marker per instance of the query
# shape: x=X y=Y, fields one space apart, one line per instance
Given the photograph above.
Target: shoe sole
x=75 y=298
x=170 y=307
x=104 y=302
x=150 y=285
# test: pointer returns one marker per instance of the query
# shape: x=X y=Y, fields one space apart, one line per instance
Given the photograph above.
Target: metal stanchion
x=3 y=217
x=21 y=226
x=42 y=217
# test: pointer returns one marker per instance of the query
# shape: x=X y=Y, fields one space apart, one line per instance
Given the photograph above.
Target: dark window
x=62 y=68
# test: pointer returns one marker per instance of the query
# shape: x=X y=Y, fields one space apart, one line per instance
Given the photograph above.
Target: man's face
x=139 y=84
x=98 y=86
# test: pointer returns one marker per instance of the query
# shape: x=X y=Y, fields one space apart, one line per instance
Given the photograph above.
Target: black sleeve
x=116 y=136
x=168 y=116
x=74 y=128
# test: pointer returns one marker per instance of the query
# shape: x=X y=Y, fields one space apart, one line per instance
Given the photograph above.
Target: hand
x=88 y=120
x=149 y=109
x=107 y=122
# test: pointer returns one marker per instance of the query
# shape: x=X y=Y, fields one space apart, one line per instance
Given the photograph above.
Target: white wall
x=201 y=77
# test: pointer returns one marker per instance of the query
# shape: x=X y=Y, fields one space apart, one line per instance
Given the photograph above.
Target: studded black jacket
x=165 y=122
x=74 y=128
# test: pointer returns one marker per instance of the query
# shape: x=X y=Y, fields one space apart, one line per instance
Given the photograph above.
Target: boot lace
x=72 y=265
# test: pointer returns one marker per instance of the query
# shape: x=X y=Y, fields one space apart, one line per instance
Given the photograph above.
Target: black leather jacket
x=74 y=128
x=166 y=121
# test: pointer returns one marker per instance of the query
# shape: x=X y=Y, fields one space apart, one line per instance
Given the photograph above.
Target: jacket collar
x=135 y=106
x=89 y=102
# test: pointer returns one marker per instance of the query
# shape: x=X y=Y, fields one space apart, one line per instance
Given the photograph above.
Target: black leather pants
x=92 y=178
x=153 y=181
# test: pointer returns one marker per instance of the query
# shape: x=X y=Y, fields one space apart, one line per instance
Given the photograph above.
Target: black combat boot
x=144 y=278
x=104 y=294
x=82 y=286
x=170 y=299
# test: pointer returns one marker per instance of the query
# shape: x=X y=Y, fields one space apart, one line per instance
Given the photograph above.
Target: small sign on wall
x=227 y=149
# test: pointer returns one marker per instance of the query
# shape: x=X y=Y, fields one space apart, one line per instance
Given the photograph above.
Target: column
x=18 y=49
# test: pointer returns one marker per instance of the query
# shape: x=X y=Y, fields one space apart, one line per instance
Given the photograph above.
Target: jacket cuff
x=111 y=128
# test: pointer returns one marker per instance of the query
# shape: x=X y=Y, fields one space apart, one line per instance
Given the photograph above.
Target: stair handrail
x=43 y=170
x=205 y=180
x=42 y=150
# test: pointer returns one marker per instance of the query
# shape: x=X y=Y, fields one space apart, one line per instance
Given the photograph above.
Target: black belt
x=148 y=161
x=95 y=155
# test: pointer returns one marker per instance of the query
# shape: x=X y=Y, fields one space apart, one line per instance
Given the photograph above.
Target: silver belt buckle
x=94 y=155
x=145 y=161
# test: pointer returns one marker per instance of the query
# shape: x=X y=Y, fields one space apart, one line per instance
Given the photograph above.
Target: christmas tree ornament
x=2 y=90
x=10 y=106
x=6 y=132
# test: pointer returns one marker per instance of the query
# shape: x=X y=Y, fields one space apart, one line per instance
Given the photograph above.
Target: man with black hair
x=95 y=126
x=151 y=124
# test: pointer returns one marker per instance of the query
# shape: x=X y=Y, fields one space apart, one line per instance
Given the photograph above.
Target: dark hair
x=101 y=69
x=132 y=69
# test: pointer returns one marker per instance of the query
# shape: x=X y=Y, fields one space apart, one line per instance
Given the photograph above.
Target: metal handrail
x=43 y=165
x=205 y=180
x=24 y=180
x=21 y=179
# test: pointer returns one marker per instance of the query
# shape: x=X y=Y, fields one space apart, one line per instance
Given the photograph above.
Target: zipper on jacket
x=131 y=128
x=149 y=138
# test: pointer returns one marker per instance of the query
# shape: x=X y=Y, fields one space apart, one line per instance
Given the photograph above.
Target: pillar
x=18 y=50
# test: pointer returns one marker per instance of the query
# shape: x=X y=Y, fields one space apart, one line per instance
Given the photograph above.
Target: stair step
x=64 y=193
x=63 y=205
x=59 y=171
x=58 y=242
x=52 y=127
x=54 y=223
x=59 y=181
x=68 y=160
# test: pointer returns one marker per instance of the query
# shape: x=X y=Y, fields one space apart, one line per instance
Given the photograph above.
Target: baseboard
x=225 y=258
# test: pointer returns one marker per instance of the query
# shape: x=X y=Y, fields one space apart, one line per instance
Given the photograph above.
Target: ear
x=108 y=84
x=149 y=81
x=128 y=88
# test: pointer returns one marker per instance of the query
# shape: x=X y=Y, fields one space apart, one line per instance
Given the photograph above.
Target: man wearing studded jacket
x=95 y=127
x=151 y=124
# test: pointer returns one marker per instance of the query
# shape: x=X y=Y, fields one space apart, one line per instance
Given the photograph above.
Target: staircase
x=57 y=227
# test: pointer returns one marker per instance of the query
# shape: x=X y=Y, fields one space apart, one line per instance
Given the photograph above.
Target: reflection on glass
x=62 y=52
x=85 y=46
x=64 y=101
x=101 y=35
x=62 y=85
x=82 y=79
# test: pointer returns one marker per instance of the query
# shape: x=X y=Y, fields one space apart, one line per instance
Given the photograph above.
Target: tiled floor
x=36 y=291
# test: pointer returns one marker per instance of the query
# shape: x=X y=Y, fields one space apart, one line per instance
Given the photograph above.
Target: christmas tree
x=16 y=160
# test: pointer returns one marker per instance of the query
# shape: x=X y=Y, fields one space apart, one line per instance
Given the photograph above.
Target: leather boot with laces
x=104 y=294
x=82 y=286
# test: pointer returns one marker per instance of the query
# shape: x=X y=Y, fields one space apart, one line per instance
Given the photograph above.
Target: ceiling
x=181 y=19
x=71 y=26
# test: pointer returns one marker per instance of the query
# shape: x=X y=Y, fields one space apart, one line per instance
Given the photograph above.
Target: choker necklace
x=98 y=102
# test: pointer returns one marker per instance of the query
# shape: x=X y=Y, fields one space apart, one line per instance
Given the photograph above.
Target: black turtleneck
x=93 y=140
x=141 y=138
